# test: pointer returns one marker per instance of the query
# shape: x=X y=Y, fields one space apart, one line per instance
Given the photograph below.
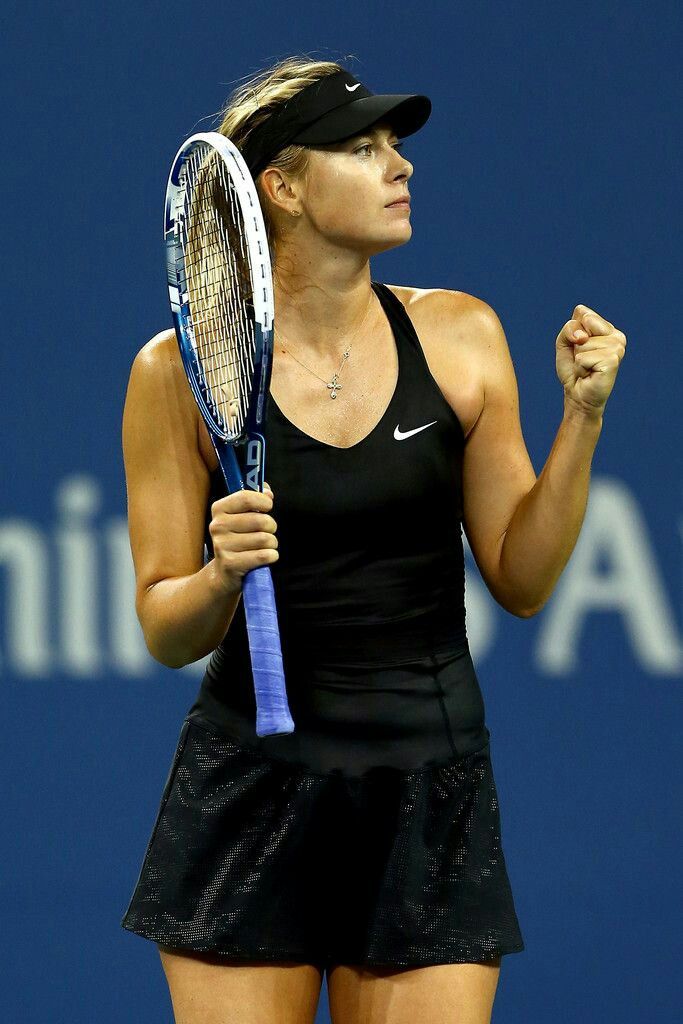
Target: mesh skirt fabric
x=258 y=858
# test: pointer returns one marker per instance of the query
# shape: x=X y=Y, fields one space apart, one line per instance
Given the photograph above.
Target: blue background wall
x=547 y=175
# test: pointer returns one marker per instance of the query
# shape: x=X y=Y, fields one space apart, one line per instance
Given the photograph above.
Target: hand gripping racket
x=221 y=292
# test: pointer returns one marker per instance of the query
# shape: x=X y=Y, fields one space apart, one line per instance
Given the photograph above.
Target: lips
x=405 y=201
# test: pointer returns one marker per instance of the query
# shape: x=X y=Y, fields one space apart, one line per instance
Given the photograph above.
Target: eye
x=368 y=145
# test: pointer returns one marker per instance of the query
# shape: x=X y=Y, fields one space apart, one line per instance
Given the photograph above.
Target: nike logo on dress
x=352 y=88
x=401 y=435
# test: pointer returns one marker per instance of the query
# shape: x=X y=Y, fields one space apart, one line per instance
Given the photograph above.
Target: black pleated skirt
x=257 y=858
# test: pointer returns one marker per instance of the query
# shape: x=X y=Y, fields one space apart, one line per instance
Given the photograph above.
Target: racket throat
x=241 y=461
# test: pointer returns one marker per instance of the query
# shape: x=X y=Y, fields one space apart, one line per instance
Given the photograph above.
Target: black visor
x=330 y=110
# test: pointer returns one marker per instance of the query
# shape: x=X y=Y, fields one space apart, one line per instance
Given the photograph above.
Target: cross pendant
x=335 y=387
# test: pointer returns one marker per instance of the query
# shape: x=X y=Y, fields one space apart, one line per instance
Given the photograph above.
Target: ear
x=279 y=188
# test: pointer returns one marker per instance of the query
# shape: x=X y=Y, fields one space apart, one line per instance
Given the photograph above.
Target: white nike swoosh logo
x=352 y=88
x=401 y=435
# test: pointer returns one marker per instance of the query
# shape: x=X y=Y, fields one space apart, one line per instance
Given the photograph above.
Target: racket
x=221 y=292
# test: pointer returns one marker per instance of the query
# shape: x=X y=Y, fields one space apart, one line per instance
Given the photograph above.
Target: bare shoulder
x=454 y=329
x=441 y=303
x=161 y=384
x=161 y=351
x=158 y=386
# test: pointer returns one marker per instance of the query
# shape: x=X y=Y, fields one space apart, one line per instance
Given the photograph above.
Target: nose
x=406 y=168
x=405 y=172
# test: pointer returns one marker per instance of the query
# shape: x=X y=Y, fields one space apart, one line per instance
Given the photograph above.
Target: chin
x=384 y=244
x=399 y=238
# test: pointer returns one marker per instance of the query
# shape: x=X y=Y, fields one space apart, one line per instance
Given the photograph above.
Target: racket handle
x=272 y=711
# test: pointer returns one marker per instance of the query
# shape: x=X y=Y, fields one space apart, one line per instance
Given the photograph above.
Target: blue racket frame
x=273 y=716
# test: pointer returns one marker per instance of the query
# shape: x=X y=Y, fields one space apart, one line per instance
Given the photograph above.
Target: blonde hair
x=251 y=103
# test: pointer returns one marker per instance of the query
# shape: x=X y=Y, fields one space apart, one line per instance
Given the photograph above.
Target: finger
x=239 y=502
x=247 y=499
x=598 y=360
x=591 y=320
x=590 y=344
x=573 y=331
x=253 y=540
x=252 y=522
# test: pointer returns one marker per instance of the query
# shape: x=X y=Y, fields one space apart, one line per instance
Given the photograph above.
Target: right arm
x=184 y=607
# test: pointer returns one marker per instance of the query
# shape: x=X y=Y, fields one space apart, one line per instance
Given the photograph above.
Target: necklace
x=334 y=384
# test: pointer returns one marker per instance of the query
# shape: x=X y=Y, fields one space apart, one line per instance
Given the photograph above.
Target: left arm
x=546 y=523
x=523 y=529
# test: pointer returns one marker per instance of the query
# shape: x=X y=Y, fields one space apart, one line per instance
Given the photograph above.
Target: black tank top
x=370 y=573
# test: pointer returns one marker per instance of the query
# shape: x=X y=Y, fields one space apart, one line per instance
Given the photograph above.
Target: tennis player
x=366 y=843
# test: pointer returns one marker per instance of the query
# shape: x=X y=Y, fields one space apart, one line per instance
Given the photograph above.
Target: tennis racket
x=221 y=292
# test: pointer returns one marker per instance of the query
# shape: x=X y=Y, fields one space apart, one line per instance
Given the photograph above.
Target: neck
x=318 y=313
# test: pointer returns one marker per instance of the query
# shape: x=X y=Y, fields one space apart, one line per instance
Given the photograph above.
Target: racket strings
x=219 y=288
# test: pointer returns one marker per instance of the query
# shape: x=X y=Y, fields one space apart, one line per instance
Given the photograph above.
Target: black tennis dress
x=371 y=834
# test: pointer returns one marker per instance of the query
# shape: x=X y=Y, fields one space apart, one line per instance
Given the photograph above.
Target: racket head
x=220 y=284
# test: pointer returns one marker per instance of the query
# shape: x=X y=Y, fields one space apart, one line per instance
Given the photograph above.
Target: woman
x=366 y=843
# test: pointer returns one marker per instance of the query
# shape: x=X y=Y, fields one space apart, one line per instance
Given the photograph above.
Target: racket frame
x=272 y=712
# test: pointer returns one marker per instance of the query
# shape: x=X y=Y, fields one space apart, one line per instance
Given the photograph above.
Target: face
x=348 y=187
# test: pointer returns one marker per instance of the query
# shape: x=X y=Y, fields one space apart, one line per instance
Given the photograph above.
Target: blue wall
x=548 y=175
